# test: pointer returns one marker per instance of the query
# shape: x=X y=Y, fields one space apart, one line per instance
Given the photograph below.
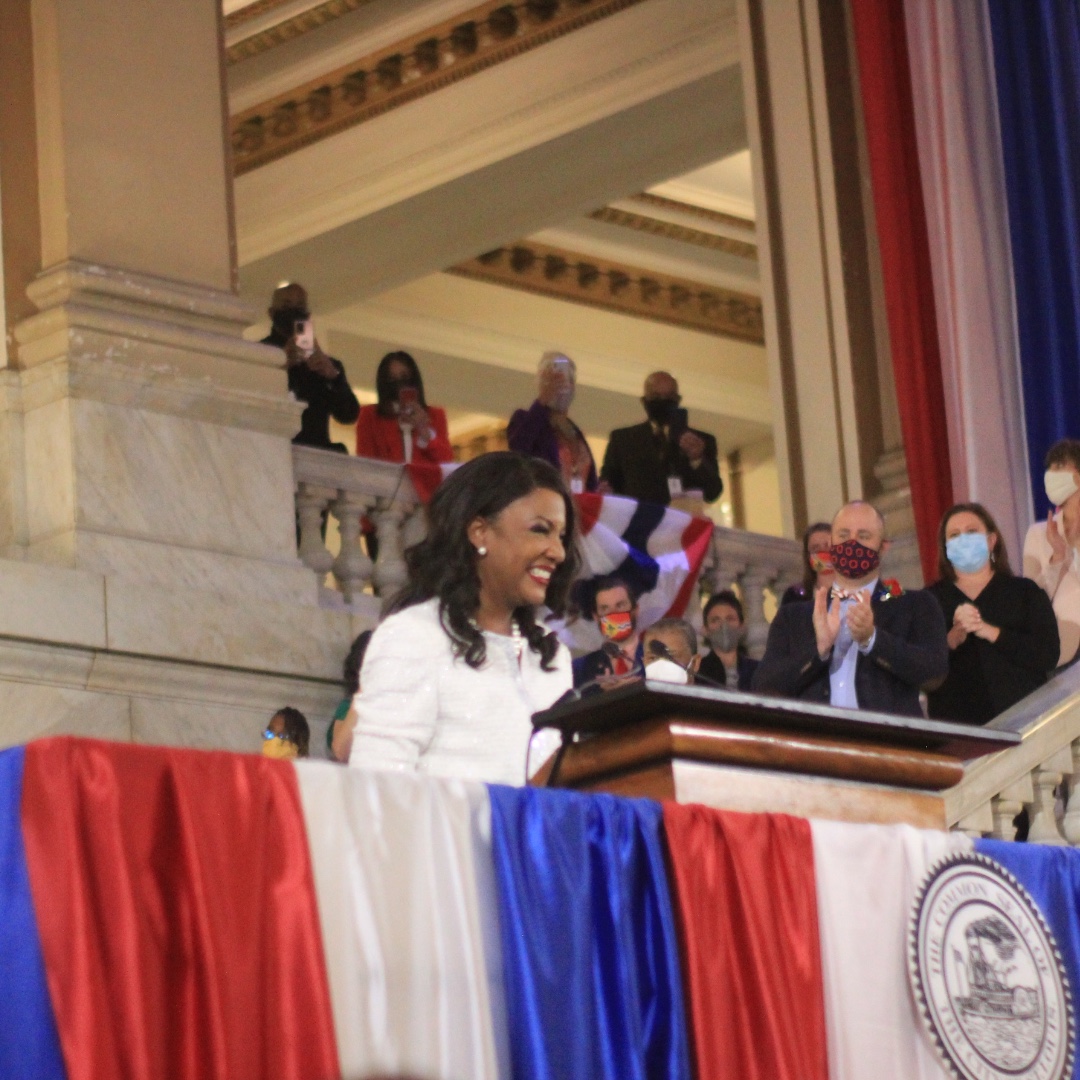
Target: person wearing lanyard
x=545 y=429
x=861 y=644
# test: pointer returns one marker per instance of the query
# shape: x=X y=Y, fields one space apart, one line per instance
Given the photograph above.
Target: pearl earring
x=481 y=551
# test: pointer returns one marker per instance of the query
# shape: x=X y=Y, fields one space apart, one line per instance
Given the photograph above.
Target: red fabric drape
x=885 y=79
x=177 y=913
x=746 y=904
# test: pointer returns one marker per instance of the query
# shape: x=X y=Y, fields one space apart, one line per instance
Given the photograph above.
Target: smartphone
x=304 y=336
x=408 y=395
x=680 y=422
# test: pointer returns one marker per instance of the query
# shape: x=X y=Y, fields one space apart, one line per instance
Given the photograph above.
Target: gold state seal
x=987 y=975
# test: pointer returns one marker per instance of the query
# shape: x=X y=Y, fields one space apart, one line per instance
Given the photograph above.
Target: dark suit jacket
x=638 y=463
x=712 y=667
x=909 y=651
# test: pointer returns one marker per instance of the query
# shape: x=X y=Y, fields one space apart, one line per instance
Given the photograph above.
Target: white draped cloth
x=421 y=708
x=867 y=879
x=406 y=894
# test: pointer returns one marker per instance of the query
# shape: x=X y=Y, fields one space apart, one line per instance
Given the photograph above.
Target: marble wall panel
x=168 y=566
x=199 y=626
x=52 y=603
x=35 y=710
x=184 y=481
x=50 y=491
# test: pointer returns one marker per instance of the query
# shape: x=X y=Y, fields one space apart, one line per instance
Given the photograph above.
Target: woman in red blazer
x=402 y=413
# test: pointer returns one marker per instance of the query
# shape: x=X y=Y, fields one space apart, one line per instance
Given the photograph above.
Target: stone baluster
x=1004 y=812
x=415 y=528
x=352 y=567
x=390 y=573
x=1044 y=827
x=311 y=503
x=1071 y=824
x=754 y=583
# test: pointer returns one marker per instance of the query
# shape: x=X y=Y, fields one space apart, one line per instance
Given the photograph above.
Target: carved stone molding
x=628 y=290
x=486 y=35
x=662 y=202
x=284 y=31
x=610 y=215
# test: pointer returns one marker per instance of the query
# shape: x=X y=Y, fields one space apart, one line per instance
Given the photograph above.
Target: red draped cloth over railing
x=885 y=78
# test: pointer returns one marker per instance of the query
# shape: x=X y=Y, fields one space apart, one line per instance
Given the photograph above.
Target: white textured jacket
x=420 y=708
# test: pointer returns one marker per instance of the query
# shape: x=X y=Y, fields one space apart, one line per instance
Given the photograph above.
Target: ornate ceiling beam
x=488 y=34
x=284 y=31
x=610 y=215
x=628 y=290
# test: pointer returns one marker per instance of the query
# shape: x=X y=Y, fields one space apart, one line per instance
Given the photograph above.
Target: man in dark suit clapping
x=663 y=457
x=859 y=644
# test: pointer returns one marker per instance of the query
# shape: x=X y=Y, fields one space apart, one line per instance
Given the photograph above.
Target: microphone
x=594 y=686
x=660 y=650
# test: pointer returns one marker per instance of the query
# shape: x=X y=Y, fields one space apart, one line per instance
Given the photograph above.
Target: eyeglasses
x=268 y=735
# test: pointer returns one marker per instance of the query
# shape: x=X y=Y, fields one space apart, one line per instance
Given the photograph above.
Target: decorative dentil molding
x=488 y=34
x=662 y=202
x=627 y=290
x=611 y=215
x=287 y=30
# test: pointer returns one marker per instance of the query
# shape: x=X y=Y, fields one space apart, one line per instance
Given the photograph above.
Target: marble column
x=146 y=482
x=824 y=336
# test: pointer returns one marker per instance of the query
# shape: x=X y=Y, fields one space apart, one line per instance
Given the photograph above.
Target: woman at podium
x=452 y=677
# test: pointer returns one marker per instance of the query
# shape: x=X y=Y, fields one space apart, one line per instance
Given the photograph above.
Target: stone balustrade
x=1041 y=774
x=351 y=488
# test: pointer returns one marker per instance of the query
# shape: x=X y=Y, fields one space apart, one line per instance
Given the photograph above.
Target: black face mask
x=661 y=410
x=286 y=318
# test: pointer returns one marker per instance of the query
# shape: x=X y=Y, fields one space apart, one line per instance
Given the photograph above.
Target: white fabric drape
x=963 y=181
x=406 y=894
x=867 y=878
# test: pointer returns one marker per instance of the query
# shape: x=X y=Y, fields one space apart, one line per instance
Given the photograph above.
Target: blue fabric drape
x=29 y=1043
x=1052 y=876
x=1036 y=47
x=590 y=954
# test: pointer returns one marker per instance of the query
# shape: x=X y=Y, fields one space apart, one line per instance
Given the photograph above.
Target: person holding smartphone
x=314 y=378
x=545 y=429
x=402 y=426
x=664 y=457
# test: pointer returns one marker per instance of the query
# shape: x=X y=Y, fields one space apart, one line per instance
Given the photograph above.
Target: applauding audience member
x=660 y=459
x=1052 y=548
x=861 y=644
x=545 y=430
x=817 y=570
x=402 y=426
x=1003 y=637
x=287 y=735
x=726 y=662
x=616 y=612
x=314 y=378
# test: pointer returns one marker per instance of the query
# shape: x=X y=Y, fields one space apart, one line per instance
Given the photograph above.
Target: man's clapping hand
x=826 y=621
x=693 y=446
x=860 y=618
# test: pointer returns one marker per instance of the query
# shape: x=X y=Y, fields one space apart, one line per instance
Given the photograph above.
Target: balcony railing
x=351 y=489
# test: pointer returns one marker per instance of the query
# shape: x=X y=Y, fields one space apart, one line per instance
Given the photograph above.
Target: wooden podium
x=739 y=751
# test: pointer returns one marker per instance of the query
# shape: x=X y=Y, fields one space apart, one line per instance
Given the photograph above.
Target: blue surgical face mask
x=968 y=552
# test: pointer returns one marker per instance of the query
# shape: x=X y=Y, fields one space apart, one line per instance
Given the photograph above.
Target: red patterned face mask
x=853 y=560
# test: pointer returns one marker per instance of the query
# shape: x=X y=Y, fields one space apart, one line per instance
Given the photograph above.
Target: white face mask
x=1059 y=484
x=666 y=671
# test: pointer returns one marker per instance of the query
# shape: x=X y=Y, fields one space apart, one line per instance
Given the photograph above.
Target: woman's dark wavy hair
x=354 y=661
x=384 y=387
x=444 y=563
x=296 y=728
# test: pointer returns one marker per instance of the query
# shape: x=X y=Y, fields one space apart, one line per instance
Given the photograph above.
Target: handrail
x=353 y=489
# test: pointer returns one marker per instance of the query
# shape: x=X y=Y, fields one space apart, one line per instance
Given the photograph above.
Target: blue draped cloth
x=590 y=952
x=29 y=1043
x=1036 y=46
x=1052 y=876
